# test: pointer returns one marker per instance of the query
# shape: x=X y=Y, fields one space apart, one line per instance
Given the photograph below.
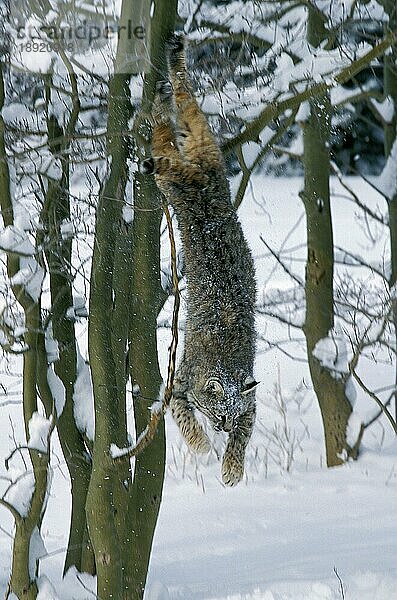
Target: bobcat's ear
x=214 y=385
x=249 y=385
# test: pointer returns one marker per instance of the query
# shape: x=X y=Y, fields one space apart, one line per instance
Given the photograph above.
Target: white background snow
x=292 y=525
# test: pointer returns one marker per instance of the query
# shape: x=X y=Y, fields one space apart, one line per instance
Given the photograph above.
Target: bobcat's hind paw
x=175 y=43
x=232 y=469
x=175 y=52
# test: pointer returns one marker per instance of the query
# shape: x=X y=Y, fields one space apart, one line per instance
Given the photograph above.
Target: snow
x=51 y=345
x=83 y=406
x=281 y=538
x=20 y=493
x=76 y=585
x=385 y=108
x=51 y=167
x=46 y=589
x=332 y=352
x=39 y=429
x=128 y=213
x=303 y=113
x=282 y=531
x=37 y=550
x=78 y=310
x=67 y=229
x=13 y=239
x=350 y=391
x=353 y=428
x=250 y=152
x=387 y=182
x=36 y=62
x=30 y=276
x=57 y=390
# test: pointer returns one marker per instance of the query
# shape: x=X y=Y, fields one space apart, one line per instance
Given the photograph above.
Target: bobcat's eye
x=214 y=385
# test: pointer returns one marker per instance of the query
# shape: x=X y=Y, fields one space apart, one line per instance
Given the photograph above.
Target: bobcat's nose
x=227 y=423
x=224 y=424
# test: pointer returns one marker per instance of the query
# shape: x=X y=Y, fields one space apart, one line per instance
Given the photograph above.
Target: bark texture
x=331 y=392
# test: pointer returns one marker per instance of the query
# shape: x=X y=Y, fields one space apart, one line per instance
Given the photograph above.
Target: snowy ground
x=292 y=528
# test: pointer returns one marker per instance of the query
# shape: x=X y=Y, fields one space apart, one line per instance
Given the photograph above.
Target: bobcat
x=215 y=376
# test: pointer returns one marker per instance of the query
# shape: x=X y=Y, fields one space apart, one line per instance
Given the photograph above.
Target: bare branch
x=355 y=198
x=280 y=262
x=12 y=509
x=374 y=397
x=276 y=109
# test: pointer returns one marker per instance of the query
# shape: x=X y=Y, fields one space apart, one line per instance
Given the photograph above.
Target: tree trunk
x=122 y=538
x=147 y=486
x=22 y=584
x=56 y=209
x=390 y=130
x=146 y=302
x=103 y=510
x=334 y=406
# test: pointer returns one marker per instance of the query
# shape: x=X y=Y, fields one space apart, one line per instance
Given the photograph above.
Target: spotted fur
x=215 y=376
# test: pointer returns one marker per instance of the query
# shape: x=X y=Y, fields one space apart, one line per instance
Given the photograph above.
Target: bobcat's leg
x=190 y=428
x=164 y=149
x=233 y=459
x=197 y=141
x=183 y=414
x=167 y=163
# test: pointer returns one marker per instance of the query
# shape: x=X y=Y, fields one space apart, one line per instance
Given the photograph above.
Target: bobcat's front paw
x=190 y=428
x=197 y=439
x=232 y=468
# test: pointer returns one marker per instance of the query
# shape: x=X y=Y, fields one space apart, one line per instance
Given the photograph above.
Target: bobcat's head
x=224 y=399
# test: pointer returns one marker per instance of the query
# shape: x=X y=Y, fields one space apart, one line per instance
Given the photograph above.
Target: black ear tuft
x=147 y=166
x=249 y=385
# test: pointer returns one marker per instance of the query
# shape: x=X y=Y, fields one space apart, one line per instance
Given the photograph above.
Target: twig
x=380 y=412
x=7 y=533
x=354 y=197
x=280 y=262
x=12 y=509
x=157 y=413
x=87 y=589
x=374 y=397
x=342 y=590
x=19 y=448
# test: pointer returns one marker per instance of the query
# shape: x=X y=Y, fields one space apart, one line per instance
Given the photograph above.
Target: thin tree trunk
x=56 y=209
x=146 y=301
x=147 y=486
x=331 y=394
x=22 y=584
x=103 y=510
x=390 y=130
